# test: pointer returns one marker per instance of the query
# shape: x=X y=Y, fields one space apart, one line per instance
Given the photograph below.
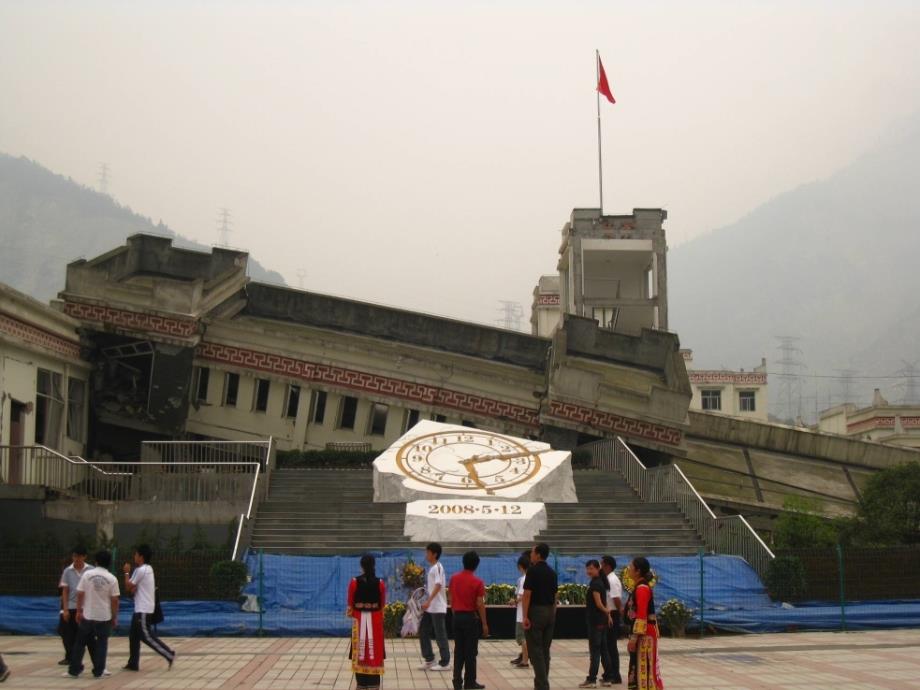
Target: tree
x=798 y=527
x=889 y=511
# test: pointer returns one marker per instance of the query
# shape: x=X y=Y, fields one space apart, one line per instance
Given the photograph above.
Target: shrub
x=785 y=578
x=799 y=527
x=227 y=579
x=326 y=458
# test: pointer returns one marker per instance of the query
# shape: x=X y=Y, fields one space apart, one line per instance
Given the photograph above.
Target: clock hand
x=470 y=465
x=505 y=456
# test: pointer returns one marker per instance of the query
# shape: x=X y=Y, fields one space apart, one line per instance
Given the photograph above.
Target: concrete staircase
x=322 y=512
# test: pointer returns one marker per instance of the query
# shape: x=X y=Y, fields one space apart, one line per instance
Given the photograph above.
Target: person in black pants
x=141 y=583
x=597 y=621
x=4 y=670
x=615 y=605
x=540 y=585
x=468 y=600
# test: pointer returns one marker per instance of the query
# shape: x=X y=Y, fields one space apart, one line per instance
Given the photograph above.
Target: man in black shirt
x=539 y=604
x=597 y=619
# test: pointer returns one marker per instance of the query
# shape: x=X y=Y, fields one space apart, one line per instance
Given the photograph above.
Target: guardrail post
x=261 y=591
x=702 y=598
x=842 y=581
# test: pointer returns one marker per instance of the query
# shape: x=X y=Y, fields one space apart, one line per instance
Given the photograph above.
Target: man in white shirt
x=434 y=618
x=142 y=584
x=67 y=627
x=96 y=615
x=615 y=604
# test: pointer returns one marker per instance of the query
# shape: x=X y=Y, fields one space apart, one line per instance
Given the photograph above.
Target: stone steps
x=324 y=511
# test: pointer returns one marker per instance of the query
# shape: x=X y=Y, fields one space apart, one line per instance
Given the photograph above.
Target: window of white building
x=292 y=401
x=412 y=417
x=347 y=412
x=49 y=409
x=76 y=406
x=378 y=422
x=747 y=401
x=318 y=414
x=711 y=399
x=200 y=388
x=260 y=401
x=231 y=389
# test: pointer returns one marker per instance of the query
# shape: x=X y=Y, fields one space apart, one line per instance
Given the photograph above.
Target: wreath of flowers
x=629 y=584
x=413 y=575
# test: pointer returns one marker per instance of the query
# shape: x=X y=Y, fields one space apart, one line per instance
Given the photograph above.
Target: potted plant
x=393 y=618
x=412 y=575
x=676 y=615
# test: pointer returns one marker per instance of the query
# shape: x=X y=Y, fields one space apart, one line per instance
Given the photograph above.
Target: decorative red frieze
x=351 y=379
x=133 y=320
x=39 y=336
x=744 y=378
x=611 y=422
x=910 y=422
x=547 y=300
x=871 y=423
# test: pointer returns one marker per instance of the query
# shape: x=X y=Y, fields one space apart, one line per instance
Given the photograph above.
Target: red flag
x=603 y=87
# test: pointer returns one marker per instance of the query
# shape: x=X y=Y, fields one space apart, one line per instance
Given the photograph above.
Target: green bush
x=227 y=579
x=326 y=458
x=800 y=527
x=785 y=578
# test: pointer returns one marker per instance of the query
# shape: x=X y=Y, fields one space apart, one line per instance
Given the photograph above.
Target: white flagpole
x=600 y=164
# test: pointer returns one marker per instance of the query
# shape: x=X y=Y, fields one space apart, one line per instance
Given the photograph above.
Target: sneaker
x=474 y=686
x=106 y=672
x=588 y=684
x=129 y=667
x=440 y=667
x=68 y=674
x=427 y=665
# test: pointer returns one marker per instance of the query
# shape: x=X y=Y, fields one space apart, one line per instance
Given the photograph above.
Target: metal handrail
x=668 y=484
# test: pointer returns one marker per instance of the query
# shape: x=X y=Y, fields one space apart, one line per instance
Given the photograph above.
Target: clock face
x=471 y=460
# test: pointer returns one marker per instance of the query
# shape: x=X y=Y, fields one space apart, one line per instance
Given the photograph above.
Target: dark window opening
x=261 y=401
x=293 y=401
x=348 y=413
x=379 y=419
x=231 y=389
x=319 y=407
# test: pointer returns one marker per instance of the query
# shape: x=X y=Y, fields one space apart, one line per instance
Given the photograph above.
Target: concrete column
x=105 y=520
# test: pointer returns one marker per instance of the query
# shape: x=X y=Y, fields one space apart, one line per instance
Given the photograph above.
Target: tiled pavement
x=800 y=661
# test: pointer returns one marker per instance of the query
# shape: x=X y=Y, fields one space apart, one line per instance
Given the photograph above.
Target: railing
x=216 y=451
x=209 y=451
x=130 y=481
x=668 y=484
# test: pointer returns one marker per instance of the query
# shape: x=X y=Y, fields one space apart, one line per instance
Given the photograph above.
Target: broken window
x=49 y=409
x=412 y=417
x=293 y=401
x=378 y=425
x=202 y=378
x=76 y=406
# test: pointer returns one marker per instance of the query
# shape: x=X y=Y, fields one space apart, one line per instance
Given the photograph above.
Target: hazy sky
x=426 y=154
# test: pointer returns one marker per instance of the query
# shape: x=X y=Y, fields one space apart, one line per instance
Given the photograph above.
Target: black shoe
x=517 y=659
x=474 y=686
x=129 y=667
x=64 y=662
x=458 y=685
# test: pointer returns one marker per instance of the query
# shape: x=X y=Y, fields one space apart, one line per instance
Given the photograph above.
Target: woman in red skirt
x=366 y=599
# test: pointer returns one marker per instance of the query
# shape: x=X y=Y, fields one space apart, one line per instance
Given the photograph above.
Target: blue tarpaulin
x=305 y=595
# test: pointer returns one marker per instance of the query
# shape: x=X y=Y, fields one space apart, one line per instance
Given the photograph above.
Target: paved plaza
x=812 y=661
